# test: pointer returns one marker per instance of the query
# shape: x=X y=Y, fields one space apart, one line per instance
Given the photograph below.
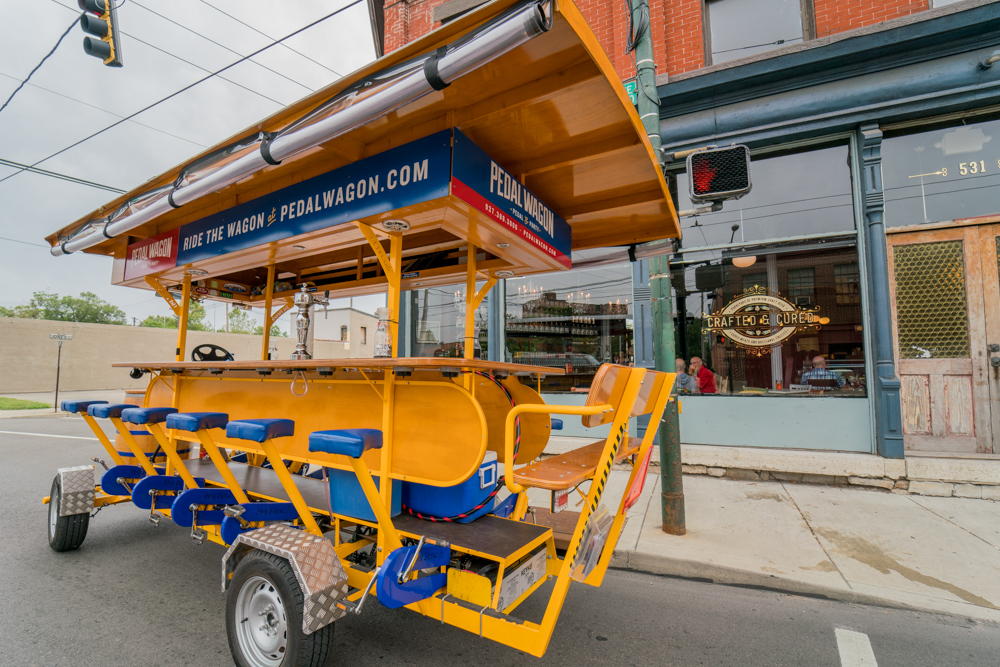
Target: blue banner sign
x=486 y=186
x=420 y=171
x=409 y=174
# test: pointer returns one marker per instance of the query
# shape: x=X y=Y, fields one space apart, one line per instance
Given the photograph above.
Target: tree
x=275 y=331
x=87 y=308
x=196 y=319
x=241 y=322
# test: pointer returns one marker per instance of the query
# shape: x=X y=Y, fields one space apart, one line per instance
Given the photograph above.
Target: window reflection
x=826 y=359
x=438 y=323
x=943 y=174
x=793 y=195
x=574 y=320
x=741 y=28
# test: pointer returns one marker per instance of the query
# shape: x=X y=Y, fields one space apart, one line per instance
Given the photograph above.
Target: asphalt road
x=134 y=594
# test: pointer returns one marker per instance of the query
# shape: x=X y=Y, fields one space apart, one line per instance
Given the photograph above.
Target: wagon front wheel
x=264 y=617
x=65 y=532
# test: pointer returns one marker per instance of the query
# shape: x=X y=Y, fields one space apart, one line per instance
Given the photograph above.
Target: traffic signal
x=718 y=174
x=106 y=41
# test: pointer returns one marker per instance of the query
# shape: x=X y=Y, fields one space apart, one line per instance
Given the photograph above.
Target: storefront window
x=800 y=194
x=438 y=323
x=741 y=28
x=573 y=320
x=794 y=329
x=942 y=174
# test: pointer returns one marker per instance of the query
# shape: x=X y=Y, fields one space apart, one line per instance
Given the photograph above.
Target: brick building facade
x=678 y=26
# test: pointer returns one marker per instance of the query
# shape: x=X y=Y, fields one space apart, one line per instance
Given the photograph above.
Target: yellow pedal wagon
x=493 y=147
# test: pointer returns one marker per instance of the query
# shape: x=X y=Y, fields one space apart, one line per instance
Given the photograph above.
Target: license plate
x=521 y=578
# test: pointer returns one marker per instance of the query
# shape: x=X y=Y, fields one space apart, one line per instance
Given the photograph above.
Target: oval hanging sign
x=234 y=287
x=758 y=320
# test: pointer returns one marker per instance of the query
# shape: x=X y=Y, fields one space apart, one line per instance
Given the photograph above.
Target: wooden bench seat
x=564 y=471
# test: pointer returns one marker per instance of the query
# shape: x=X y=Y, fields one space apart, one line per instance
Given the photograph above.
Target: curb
x=634 y=561
x=47 y=414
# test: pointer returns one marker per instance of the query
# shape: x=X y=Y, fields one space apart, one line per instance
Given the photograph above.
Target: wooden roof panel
x=552 y=110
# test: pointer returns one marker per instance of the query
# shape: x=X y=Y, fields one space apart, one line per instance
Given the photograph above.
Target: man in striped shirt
x=819 y=372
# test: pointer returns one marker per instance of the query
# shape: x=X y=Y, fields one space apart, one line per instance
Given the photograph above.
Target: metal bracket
x=314 y=562
x=76 y=490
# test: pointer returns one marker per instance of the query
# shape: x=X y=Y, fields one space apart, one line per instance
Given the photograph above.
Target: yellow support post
x=169 y=446
x=269 y=296
x=470 y=306
x=182 y=324
x=133 y=446
x=395 y=261
x=220 y=462
x=110 y=448
x=289 y=485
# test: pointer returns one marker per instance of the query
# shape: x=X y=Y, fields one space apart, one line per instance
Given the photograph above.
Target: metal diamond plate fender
x=77 y=490
x=315 y=563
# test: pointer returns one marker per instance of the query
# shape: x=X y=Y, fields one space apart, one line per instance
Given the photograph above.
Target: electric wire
x=58 y=42
x=53 y=174
x=189 y=86
x=37 y=245
x=116 y=115
x=219 y=44
x=184 y=60
x=757 y=46
x=260 y=32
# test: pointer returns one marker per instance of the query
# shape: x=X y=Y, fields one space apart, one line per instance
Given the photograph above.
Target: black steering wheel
x=210 y=352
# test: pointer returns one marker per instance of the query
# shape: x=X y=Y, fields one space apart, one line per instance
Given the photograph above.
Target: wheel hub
x=262 y=629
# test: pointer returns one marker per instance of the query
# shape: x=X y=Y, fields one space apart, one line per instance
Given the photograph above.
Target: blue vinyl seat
x=136 y=415
x=351 y=442
x=197 y=421
x=77 y=407
x=259 y=430
x=107 y=411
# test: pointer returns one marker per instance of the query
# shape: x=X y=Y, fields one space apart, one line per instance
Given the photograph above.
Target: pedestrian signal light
x=105 y=42
x=718 y=174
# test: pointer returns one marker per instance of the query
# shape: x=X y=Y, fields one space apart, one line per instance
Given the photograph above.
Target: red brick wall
x=682 y=34
x=676 y=26
x=834 y=16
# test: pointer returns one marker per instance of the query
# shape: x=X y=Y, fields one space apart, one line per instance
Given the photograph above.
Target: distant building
x=352 y=328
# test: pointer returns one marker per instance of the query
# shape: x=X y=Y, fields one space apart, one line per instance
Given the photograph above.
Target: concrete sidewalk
x=110 y=395
x=850 y=544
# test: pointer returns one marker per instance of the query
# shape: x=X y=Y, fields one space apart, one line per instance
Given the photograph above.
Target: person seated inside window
x=704 y=378
x=819 y=376
x=684 y=383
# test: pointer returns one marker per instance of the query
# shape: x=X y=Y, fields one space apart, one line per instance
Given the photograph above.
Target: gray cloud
x=73 y=95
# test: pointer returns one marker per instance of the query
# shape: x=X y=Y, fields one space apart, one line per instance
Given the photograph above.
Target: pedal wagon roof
x=507 y=128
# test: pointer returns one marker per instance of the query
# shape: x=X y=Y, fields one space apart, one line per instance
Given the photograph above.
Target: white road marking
x=855 y=649
x=47 y=435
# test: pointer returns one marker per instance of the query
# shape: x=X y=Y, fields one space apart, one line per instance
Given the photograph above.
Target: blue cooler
x=348 y=499
x=450 y=501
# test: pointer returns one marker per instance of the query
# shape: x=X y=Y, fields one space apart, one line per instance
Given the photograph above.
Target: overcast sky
x=74 y=95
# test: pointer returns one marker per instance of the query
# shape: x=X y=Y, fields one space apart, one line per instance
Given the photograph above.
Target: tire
x=264 y=592
x=65 y=532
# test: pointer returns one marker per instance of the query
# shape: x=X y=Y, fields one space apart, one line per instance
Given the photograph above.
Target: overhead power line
x=188 y=62
x=219 y=44
x=189 y=86
x=260 y=32
x=58 y=42
x=37 y=245
x=53 y=174
x=117 y=115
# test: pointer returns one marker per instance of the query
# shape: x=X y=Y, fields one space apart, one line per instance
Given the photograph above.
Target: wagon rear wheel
x=65 y=532
x=264 y=617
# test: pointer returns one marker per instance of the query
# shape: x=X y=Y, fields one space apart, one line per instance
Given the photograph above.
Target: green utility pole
x=672 y=486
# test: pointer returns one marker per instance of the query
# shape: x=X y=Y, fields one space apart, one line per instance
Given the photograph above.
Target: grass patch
x=21 y=404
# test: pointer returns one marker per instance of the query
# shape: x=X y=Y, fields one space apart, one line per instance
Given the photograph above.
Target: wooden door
x=989 y=248
x=937 y=284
